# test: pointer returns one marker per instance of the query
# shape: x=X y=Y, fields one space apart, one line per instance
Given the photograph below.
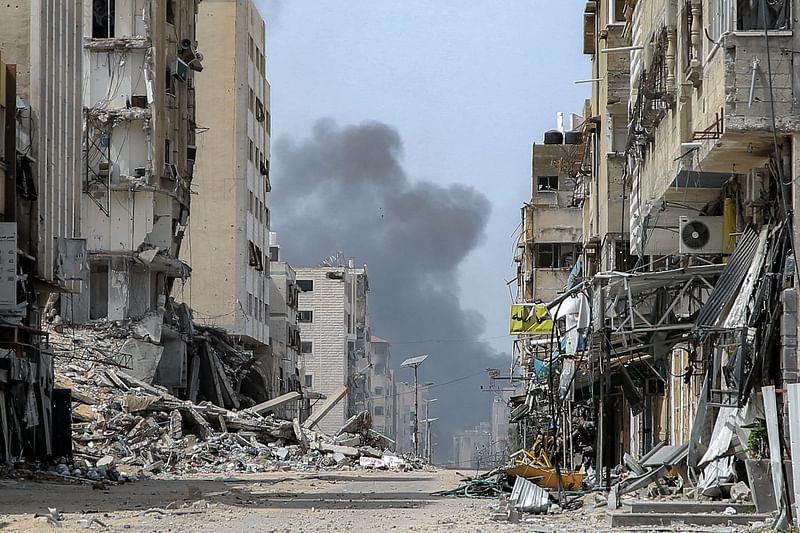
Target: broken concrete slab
x=346 y=450
x=149 y=328
x=144 y=359
x=335 y=397
x=271 y=405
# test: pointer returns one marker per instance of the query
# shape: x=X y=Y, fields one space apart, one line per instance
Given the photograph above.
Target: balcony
x=735 y=124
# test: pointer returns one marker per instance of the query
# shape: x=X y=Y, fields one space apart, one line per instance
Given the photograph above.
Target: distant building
x=472 y=448
x=334 y=336
x=552 y=223
x=383 y=388
x=284 y=333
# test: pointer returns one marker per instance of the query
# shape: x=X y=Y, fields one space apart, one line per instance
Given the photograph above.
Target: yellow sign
x=530 y=318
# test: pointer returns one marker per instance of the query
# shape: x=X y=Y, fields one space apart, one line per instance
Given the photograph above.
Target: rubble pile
x=124 y=428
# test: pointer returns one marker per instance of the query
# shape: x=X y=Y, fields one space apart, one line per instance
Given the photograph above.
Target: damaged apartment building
x=139 y=63
x=335 y=347
x=284 y=331
x=42 y=252
x=679 y=329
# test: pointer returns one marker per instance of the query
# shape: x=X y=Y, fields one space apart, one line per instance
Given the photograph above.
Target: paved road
x=336 y=501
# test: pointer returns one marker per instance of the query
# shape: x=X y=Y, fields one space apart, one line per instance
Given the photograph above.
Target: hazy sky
x=467 y=85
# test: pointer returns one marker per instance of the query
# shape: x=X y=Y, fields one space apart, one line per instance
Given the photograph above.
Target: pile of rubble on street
x=124 y=428
x=122 y=425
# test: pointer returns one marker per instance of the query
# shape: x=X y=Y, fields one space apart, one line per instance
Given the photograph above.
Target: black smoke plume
x=344 y=189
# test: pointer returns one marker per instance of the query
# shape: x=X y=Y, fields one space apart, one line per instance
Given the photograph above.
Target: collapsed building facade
x=679 y=323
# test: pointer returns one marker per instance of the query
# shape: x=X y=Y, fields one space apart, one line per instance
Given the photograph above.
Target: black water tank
x=572 y=137
x=553 y=137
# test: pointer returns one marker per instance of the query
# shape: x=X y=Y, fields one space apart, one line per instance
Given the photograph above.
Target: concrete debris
x=126 y=429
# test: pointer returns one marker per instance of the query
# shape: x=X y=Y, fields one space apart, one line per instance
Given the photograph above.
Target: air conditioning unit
x=700 y=235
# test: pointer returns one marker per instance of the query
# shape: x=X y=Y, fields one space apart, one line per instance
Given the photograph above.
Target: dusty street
x=336 y=501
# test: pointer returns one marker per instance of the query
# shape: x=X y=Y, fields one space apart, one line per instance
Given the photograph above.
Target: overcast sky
x=467 y=85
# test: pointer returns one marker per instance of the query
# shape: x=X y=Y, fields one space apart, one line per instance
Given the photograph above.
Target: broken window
x=306 y=347
x=259 y=110
x=557 y=255
x=103 y=19
x=305 y=317
x=98 y=291
x=305 y=285
x=751 y=14
x=256 y=260
x=547 y=183
x=171 y=11
x=169 y=81
x=616 y=11
x=309 y=381
x=623 y=260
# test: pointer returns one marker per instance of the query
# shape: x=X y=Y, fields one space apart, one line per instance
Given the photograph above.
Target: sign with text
x=8 y=265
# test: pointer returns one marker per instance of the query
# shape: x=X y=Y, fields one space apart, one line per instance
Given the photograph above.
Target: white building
x=139 y=63
x=334 y=335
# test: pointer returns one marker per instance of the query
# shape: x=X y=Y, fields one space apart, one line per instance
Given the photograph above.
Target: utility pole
x=414 y=363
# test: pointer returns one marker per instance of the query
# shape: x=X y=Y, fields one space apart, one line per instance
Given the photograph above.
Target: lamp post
x=428 y=428
x=414 y=363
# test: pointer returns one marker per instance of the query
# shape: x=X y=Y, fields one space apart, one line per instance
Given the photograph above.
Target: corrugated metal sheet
x=529 y=497
x=727 y=287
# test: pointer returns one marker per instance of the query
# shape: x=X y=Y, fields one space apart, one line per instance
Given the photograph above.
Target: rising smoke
x=344 y=189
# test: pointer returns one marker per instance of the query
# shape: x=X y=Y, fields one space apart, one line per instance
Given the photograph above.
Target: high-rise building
x=229 y=233
x=42 y=253
x=334 y=336
x=139 y=63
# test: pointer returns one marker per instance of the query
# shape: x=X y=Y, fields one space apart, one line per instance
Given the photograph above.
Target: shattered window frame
x=545 y=183
x=305 y=285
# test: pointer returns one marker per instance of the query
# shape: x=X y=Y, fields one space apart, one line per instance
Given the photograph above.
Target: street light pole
x=414 y=363
x=416 y=412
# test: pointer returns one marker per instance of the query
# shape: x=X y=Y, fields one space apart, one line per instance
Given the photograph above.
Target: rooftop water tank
x=572 y=137
x=553 y=137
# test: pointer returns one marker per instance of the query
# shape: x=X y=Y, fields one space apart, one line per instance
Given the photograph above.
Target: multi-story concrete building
x=383 y=388
x=43 y=39
x=139 y=63
x=334 y=336
x=551 y=237
x=230 y=227
x=284 y=332
x=43 y=254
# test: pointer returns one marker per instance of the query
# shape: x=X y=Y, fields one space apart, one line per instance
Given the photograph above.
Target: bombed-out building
x=334 y=326
x=676 y=342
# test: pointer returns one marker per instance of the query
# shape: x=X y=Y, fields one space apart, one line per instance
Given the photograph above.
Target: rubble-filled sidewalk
x=124 y=428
